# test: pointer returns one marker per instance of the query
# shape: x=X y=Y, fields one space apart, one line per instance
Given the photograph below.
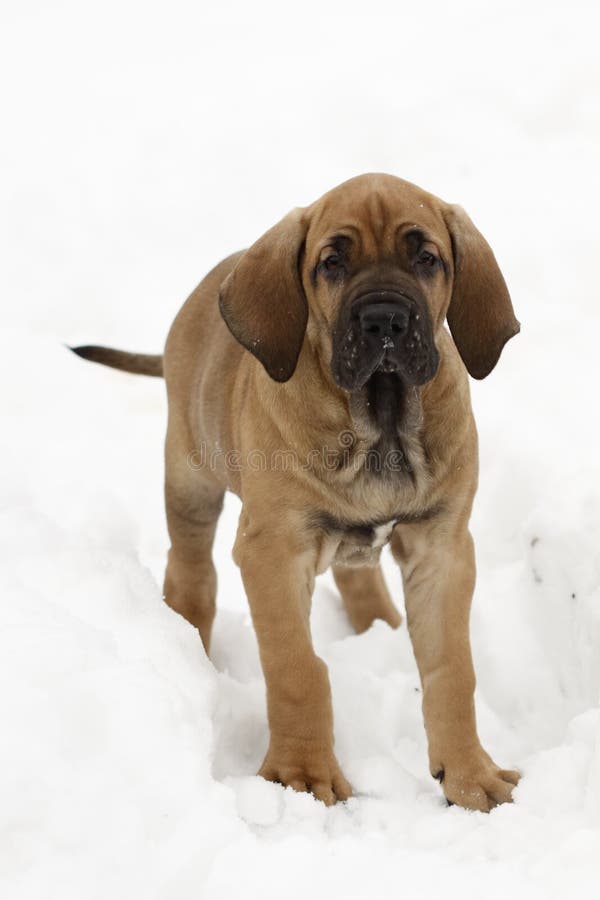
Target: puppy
x=313 y=376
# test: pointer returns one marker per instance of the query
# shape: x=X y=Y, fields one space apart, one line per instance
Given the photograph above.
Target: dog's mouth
x=383 y=332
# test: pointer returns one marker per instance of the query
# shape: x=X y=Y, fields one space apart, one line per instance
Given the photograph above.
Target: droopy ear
x=480 y=315
x=263 y=301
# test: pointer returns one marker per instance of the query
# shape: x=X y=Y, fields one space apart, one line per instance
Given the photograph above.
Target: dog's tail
x=138 y=363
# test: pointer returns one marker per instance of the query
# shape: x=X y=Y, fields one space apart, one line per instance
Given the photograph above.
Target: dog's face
x=368 y=274
x=377 y=273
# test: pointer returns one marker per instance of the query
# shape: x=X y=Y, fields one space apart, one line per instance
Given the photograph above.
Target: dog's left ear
x=480 y=315
x=262 y=300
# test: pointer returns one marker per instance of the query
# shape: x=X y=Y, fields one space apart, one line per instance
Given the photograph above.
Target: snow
x=141 y=144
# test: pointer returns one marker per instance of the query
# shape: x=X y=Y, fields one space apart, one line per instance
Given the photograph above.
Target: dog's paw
x=476 y=782
x=307 y=770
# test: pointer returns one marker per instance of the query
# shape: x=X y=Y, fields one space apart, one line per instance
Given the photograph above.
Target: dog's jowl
x=313 y=375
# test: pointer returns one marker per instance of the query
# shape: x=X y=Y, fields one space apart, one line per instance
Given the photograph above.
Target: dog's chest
x=352 y=544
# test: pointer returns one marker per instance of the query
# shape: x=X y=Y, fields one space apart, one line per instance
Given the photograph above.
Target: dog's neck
x=383 y=419
x=387 y=410
x=384 y=408
x=386 y=417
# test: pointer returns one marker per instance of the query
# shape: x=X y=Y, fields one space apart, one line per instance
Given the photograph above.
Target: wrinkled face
x=366 y=276
x=379 y=270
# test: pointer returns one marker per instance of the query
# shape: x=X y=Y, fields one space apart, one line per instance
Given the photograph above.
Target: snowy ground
x=141 y=143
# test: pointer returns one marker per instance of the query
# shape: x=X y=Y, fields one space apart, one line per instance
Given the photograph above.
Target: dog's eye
x=427 y=259
x=331 y=265
x=331 y=262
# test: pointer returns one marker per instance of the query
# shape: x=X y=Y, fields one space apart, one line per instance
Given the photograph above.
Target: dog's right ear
x=262 y=300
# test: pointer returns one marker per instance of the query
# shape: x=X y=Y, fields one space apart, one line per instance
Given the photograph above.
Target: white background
x=140 y=143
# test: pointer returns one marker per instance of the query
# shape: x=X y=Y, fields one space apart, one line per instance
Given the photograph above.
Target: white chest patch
x=355 y=545
x=382 y=534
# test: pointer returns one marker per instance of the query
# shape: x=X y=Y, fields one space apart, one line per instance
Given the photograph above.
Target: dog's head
x=368 y=274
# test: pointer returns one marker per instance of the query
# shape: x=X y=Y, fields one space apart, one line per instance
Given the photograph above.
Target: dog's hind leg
x=365 y=596
x=193 y=505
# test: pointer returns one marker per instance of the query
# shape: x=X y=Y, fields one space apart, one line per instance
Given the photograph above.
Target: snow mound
x=132 y=758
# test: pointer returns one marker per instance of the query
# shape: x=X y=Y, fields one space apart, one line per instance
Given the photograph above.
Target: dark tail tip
x=86 y=351
x=137 y=363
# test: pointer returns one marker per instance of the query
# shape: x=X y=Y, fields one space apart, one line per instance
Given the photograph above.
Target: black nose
x=384 y=320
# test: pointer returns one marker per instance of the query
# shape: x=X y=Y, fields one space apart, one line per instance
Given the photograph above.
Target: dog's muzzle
x=383 y=331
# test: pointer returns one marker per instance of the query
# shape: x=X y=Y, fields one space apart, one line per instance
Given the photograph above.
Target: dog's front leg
x=438 y=570
x=278 y=573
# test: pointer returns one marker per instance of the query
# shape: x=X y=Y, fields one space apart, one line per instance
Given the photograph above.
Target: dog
x=314 y=377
